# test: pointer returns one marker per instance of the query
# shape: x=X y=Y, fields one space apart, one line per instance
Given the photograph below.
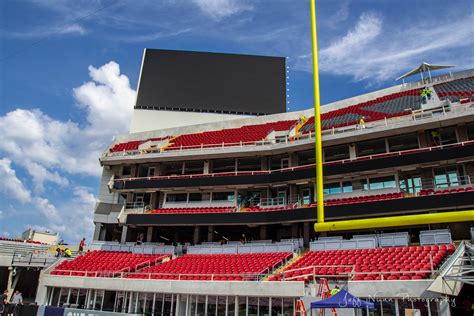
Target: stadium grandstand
x=215 y=216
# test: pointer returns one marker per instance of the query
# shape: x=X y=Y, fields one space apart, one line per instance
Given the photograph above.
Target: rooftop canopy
x=424 y=67
x=342 y=299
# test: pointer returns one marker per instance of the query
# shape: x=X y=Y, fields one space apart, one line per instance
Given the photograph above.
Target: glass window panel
x=448 y=136
x=288 y=306
x=194 y=167
x=242 y=306
x=98 y=300
x=277 y=306
x=253 y=306
x=168 y=305
x=371 y=147
x=306 y=157
x=171 y=168
x=221 y=305
x=470 y=131
x=230 y=305
x=403 y=142
x=109 y=301
x=201 y=305
x=336 y=153
x=223 y=196
x=347 y=187
x=223 y=165
x=249 y=164
x=195 y=197
x=63 y=296
x=158 y=303
x=178 y=197
x=211 y=305
x=263 y=306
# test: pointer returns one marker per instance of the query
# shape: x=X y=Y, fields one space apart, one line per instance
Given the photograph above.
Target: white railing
x=266 y=172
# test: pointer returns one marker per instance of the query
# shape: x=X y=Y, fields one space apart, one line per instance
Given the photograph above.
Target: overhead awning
x=342 y=299
x=424 y=67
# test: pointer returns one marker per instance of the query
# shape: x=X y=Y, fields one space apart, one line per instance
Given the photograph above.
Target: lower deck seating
x=225 y=267
x=105 y=263
x=21 y=240
x=396 y=263
x=193 y=210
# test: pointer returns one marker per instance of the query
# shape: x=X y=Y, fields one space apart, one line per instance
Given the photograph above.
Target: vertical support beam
x=294 y=231
x=197 y=232
x=149 y=233
x=97 y=231
x=123 y=238
x=263 y=232
x=210 y=233
x=306 y=234
x=317 y=118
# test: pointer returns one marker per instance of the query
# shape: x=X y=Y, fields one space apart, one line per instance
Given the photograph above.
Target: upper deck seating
x=365 y=198
x=228 y=267
x=456 y=89
x=246 y=134
x=193 y=210
x=132 y=145
x=395 y=104
x=397 y=263
x=105 y=263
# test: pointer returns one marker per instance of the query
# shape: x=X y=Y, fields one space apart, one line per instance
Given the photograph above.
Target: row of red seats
x=426 y=192
x=396 y=263
x=245 y=134
x=193 y=210
x=21 y=240
x=105 y=263
x=132 y=145
x=227 y=267
x=365 y=198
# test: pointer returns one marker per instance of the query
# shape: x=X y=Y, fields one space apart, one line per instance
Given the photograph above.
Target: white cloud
x=41 y=175
x=377 y=52
x=50 y=150
x=40 y=143
x=10 y=185
x=218 y=9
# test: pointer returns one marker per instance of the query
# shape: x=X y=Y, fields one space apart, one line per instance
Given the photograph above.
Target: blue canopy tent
x=342 y=299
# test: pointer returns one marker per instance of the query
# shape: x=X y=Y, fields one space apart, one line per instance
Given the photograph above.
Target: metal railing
x=415 y=116
x=31 y=259
x=309 y=166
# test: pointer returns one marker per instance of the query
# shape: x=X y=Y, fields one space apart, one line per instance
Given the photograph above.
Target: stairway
x=283 y=267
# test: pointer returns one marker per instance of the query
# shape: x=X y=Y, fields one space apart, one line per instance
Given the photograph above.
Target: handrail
x=386 y=121
x=267 y=172
x=154 y=275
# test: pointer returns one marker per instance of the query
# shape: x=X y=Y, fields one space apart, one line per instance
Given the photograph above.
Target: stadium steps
x=283 y=267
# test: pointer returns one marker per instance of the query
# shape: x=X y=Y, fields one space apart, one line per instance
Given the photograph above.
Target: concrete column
x=123 y=239
x=97 y=228
x=197 y=232
x=306 y=234
x=462 y=133
x=263 y=232
x=422 y=139
x=149 y=233
x=236 y=308
x=265 y=163
x=210 y=233
x=293 y=192
x=206 y=167
x=294 y=231
x=352 y=151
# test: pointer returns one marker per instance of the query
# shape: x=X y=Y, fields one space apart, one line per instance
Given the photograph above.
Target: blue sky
x=68 y=73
